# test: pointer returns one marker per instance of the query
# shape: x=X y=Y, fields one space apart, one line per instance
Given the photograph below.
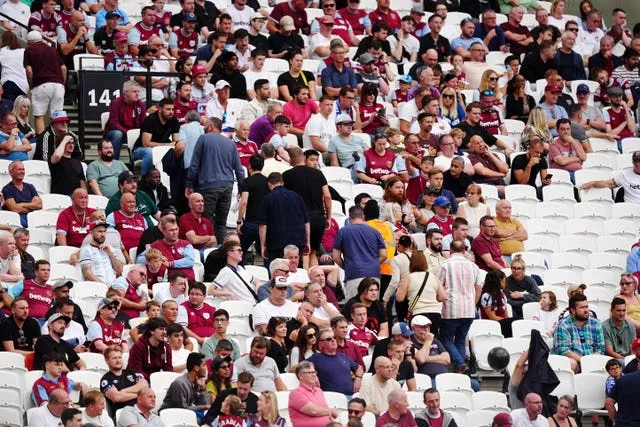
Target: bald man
x=127 y=221
x=375 y=389
x=140 y=414
x=49 y=415
x=510 y=232
x=531 y=414
x=75 y=37
x=73 y=222
x=195 y=227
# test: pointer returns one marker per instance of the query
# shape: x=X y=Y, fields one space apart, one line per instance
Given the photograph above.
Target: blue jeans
x=146 y=155
x=453 y=334
x=116 y=137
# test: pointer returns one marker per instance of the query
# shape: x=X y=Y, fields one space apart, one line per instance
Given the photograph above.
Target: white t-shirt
x=99 y=261
x=4 y=264
x=18 y=11
x=156 y=94
x=42 y=417
x=240 y=18
x=440 y=127
x=12 y=68
x=73 y=333
x=321 y=313
x=319 y=40
x=229 y=281
x=408 y=112
x=300 y=276
x=319 y=126
x=161 y=293
x=103 y=420
x=265 y=310
x=521 y=419
x=179 y=357
x=411 y=44
x=630 y=181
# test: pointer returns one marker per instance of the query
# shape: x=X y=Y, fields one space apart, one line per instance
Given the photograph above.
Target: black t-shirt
x=520 y=163
x=475 y=130
x=149 y=236
x=9 y=331
x=430 y=368
x=28 y=264
x=279 y=355
x=286 y=79
x=256 y=186
x=365 y=45
x=458 y=186
x=442 y=46
x=250 y=408
x=103 y=41
x=260 y=42
x=207 y=15
x=376 y=314
x=405 y=372
x=159 y=132
x=66 y=175
x=216 y=260
x=236 y=80
x=46 y=344
x=120 y=382
x=308 y=183
x=280 y=43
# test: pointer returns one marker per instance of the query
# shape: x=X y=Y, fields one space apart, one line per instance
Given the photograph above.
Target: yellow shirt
x=510 y=246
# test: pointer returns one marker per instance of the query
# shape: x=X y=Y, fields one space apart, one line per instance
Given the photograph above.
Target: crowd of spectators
x=415 y=107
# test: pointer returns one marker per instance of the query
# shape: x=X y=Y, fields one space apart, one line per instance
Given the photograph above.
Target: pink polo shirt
x=300 y=397
x=300 y=116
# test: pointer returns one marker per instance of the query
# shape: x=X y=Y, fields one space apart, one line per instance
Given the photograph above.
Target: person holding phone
x=372 y=113
x=526 y=167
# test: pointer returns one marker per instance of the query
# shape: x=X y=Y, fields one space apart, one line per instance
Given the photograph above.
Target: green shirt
x=345 y=149
x=146 y=207
x=209 y=348
x=106 y=176
x=620 y=339
x=505 y=6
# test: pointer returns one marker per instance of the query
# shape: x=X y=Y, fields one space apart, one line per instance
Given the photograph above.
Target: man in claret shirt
x=73 y=222
x=195 y=227
x=141 y=32
x=36 y=291
x=46 y=20
x=127 y=221
x=183 y=102
x=105 y=330
x=357 y=331
x=490 y=116
x=199 y=313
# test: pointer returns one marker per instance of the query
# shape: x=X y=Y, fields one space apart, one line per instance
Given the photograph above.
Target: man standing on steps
x=252 y=190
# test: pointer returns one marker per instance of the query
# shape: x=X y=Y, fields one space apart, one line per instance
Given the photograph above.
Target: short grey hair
x=272 y=106
x=192 y=116
x=130 y=84
x=268 y=150
x=276 y=264
x=305 y=364
x=291 y=248
x=19 y=232
x=394 y=396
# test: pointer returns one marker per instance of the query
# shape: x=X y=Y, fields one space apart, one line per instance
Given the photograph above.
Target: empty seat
x=545 y=227
x=581 y=245
x=595 y=211
x=608 y=261
x=554 y=211
x=569 y=261
x=560 y=277
x=584 y=227
x=615 y=244
x=620 y=227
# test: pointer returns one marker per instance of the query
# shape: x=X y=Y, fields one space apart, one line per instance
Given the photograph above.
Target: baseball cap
x=405 y=79
x=59 y=116
x=574 y=287
x=420 y=320
x=366 y=58
x=107 y=301
x=553 y=89
x=635 y=343
x=280 y=282
x=221 y=84
x=441 y=201
x=198 y=69
x=119 y=37
x=503 y=420
x=125 y=176
x=615 y=91
x=430 y=190
x=417 y=10
x=583 y=88
x=99 y=224
x=401 y=328
x=286 y=22
x=326 y=19
x=189 y=17
x=34 y=35
x=256 y=15
x=636 y=156
x=343 y=118
x=61 y=284
x=146 y=49
x=57 y=316
x=111 y=15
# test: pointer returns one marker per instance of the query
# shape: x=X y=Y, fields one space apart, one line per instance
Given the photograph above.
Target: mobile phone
x=549 y=176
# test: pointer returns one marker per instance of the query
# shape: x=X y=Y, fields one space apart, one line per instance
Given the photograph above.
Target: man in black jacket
x=243 y=391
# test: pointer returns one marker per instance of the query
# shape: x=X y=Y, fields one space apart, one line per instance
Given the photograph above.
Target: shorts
x=47 y=96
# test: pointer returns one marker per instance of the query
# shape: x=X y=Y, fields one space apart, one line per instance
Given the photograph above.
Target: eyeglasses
x=111 y=307
x=354 y=1
x=575 y=30
x=327 y=6
x=627 y=283
x=309 y=372
x=329 y=339
x=449 y=96
x=517 y=268
x=282 y=271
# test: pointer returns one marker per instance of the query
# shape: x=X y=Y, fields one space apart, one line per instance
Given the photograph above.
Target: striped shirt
x=621 y=73
x=459 y=277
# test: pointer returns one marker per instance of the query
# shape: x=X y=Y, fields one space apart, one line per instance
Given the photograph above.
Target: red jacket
x=147 y=359
x=116 y=115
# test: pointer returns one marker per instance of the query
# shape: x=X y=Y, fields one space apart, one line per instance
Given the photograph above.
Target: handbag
x=415 y=300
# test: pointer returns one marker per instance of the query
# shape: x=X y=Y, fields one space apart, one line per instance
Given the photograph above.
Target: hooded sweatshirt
x=147 y=359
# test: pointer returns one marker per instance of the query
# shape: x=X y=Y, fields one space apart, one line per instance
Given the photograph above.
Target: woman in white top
x=306 y=345
x=555 y=16
x=234 y=281
x=473 y=209
x=429 y=300
x=14 y=76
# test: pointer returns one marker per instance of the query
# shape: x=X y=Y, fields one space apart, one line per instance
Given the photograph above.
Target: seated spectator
x=151 y=184
x=200 y=314
x=493 y=301
x=579 y=334
x=285 y=39
x=335 y=369
x=509 y=230
x=462 y=44
x=94 y=412
x=456 y=180
x=185 y=40
x=105 y=330
x=277 y=138
x=619 y=333
x=127 y=221
x=338 y=73
x=442 y=219
x=61 y=290
x=117 y=58
x=296 y=77
x=20 y=331
x=307 y=404
x=19 y=196
x=98 y=260
x=249 y=401
x=490 y=33
x=323 y=311
x=196 y=228
x=490 y=114
x=70 y=230
x=187 y=390
x=67 y=173
x=102 y=173
x=319 y=42
x=261 y=367
x=36 y=291
x=22 y=109
x=619 y=119
x=219 y=379
x=119 y=121
x=398 y=412
x=278 y=268
x=521 y=288
x=474 y=68
x=372 y=114
x=246 y=148
x=220 y=324
x=257 y=106
x=536 y=64
x=489 y=168
x=374 y=389
x=565 y=152
x=472 y=127
x=275 y=305
x=74 y=331
x=299 y=109
x=268 y=152
x=141 y=411
x=377 y=164
x=151 y=353
x=234 y=280
x=526 y=167
x=518 y=103
x=486 y=248
x=50 y=414
x=516 y=34
x=53 y=343
x=120 y=386
x=52 y=378
x=228 y=71
x=13 y=144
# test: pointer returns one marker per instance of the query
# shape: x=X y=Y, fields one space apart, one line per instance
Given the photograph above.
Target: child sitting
x=156 y=271
x=614 y=369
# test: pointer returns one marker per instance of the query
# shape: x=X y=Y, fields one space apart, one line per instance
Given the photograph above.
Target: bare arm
x=610 y=183
x=337 y=257
x=610 y=405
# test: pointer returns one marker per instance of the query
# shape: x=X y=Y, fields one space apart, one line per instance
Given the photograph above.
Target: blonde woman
x=21 y=107
x=451 y=107
x=536 y=128
x=489 y=81
x=473 y=209
x=268 y=415
x=556 y=17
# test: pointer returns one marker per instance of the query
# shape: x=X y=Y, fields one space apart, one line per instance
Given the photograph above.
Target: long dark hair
x=215 y=378
x=10 y=40
x=302 y=340
x=493 y=287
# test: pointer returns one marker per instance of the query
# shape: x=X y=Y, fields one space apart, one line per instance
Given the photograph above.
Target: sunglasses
x=446 y=95
x=493 y=79
x=575 y=30
x=327 y=6
x=311 y=335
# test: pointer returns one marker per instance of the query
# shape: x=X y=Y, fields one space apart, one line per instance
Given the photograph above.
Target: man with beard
x=126 y=112
x=619 y=119
x=141 y=32
x=20 y=331
x=53 y=343
x=257 y=107
x=299 y=109
x=433 y=252
x=37 y=292
x=102 y=173
x=183 y=102
x=188 y=391
x=98 y=260
x=262 y=367
x=73 y=222
x=486 y=248
x=578 y=334
x=184 y=41
x=426 y=139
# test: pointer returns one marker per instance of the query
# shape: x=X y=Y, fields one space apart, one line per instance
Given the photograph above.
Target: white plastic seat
x=61 y=254
x=336 y=400
x=489 y=191
x=515 y=347
x=615 y=244
x=522 y=328
x=178 y=417
x=37 y=174
x=89 y=292
x=375 y=191
x=162 y=380
x=10 y=218
x=290 y=380
x=630 y=211
x=336 y=174
x=523 y=195
x=529 y=309
x=560 y=277
x=545 y=227
x=608 y=261
x=481 y=418
x=55 y=202
x=513 y=126
x=64 y=272
x=562 y=367
x=95 y=361
x=484 y=326
x=584 y=227
x=554 y=211
x=600 y=162
x=237 y=309
x=585 y=175
x=455 y=382
x=456 y=403
x=620 y=227
x=98 y=202
x=522 y=210
x=132 y=137
x=11 y=416
x=624 y=161
x=276 y=65
x=601 y=278
x=423 y=382
x=560 y=177
x=631 y=144
x=595 y=211
x=491 y=400
x=559 y=194
x=416 y=401
x=581 y=245
x=594 y=364
x=597 y=195
x=590 y=393
x=542 y=245
x=535 y=262
x=42 y=219
x=602 y=145
x=569 y=261
x=481 y=345
x=90 y=378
